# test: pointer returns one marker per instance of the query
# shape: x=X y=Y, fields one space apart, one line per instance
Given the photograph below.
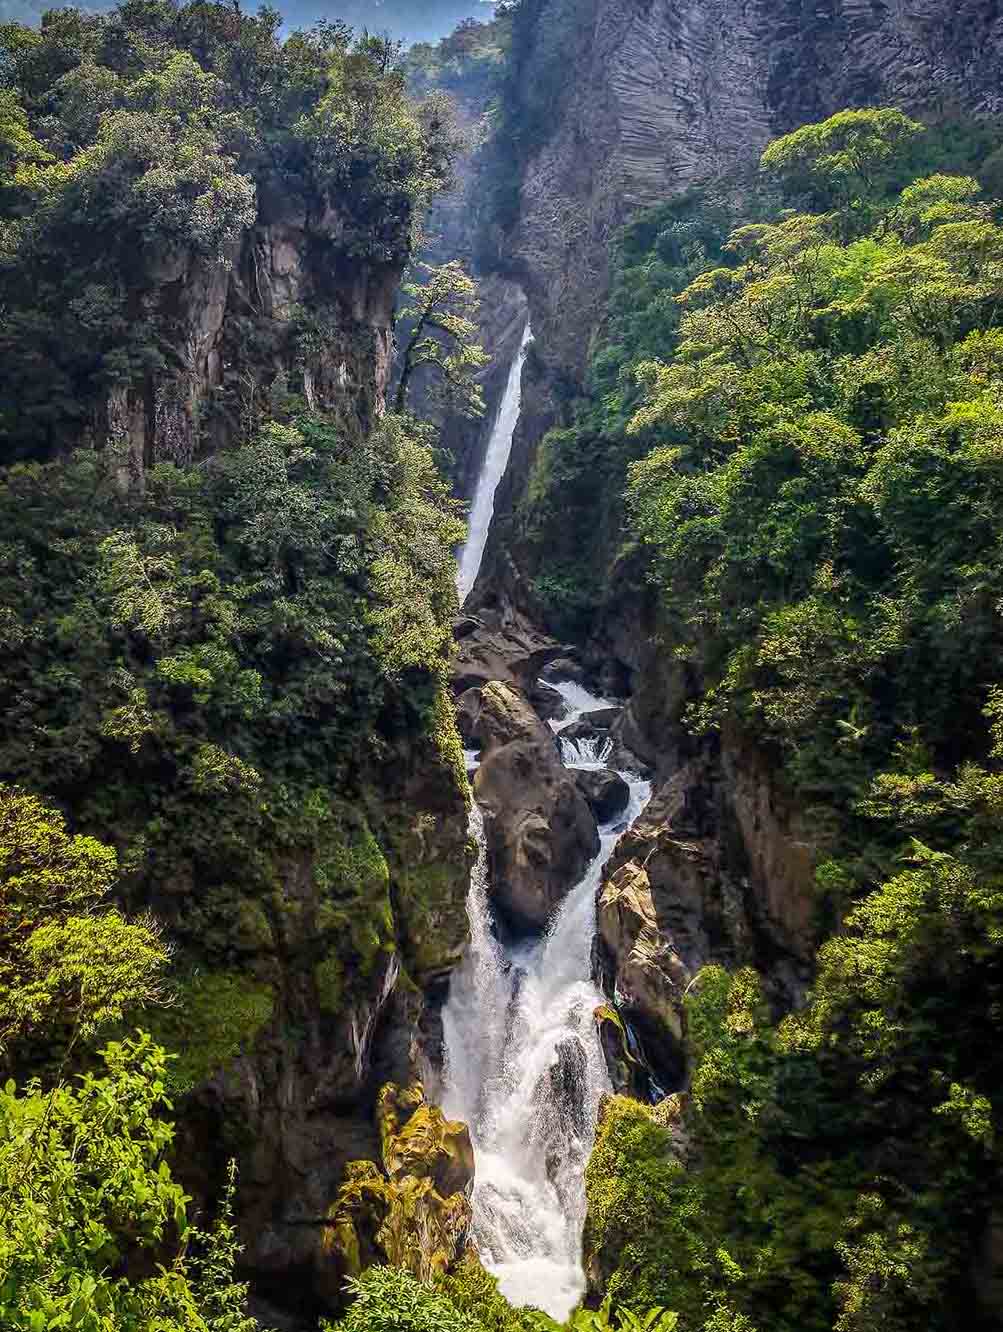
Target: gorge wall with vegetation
x=754 y=480
x=228 y=578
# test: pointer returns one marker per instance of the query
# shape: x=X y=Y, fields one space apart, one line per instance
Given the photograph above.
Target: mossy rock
x=418 y=1140
x=215 y=1016
x=415 y=1212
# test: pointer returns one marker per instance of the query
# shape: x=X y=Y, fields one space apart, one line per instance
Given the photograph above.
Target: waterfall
x=495 y=462
x=524 y=1069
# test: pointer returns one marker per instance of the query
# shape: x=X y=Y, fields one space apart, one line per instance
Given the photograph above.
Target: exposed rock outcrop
x=287 y=309
x=494 y=645
x=606 y=792
x=540 y=831
x=413 y=1210
x=715 y=870
x=353 y=949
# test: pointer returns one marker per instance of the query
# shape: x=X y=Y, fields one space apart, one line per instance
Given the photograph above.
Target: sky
x=409 y=20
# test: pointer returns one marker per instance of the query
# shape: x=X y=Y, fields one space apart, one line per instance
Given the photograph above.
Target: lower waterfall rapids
x=524 y=1069
x=496 y=457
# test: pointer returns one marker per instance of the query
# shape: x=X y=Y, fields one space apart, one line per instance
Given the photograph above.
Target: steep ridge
x=201 y=492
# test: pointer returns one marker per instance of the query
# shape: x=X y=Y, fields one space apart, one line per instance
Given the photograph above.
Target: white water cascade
x=525 y=1070
x=495 y=462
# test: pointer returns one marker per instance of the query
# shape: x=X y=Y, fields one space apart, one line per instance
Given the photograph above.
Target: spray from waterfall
x=495 y=462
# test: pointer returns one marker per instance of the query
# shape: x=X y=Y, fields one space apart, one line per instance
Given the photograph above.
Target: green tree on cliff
x=68 y=957
x=441 y=318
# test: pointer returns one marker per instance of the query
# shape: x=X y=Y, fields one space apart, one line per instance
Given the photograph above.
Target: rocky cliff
x=286 y=311
x=613 y=106
x=653 y=96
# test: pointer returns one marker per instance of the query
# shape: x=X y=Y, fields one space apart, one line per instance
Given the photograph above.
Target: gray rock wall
x=662 y=94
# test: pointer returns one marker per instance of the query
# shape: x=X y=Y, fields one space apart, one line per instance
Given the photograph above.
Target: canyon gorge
x=581 y=913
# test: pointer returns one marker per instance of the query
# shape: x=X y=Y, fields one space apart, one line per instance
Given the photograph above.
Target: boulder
x=603 y=718
x=547 y=701
x=468 y=707
x=563 y=668
x=413 y=1209
x=492 y=647
x=541 y=833
x=582 y=730
x=606 y=792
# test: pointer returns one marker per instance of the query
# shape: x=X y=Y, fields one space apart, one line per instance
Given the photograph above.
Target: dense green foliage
x=386 y=1299
x=569 y=523
x=144 y=145
x=571 y=529
x=819 y=503
x=467 y=64
x=68 y=958
x=201 y=673
x=226 y=660
x=403 y=19
x=94 y=1232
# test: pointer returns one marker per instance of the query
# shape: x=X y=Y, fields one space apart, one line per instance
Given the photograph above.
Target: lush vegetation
x=439 y=318
x=210 y=665
x=205 y=676
x=819 y=507
x=94 y=1232
x=388 y=1300
x=214 y=664
x=141 y=148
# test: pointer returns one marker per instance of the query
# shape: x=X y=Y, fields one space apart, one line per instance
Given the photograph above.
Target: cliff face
x=657 y=95
x=287 y=310
x=296 y=1105
x=621 y=104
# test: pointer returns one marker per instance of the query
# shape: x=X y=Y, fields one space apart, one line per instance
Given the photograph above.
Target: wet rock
x=547 y=701
x=564 y=668
x=626 y=1073
x=566 y=1086
x=606 y=792
x=583 y=730
x=988 y=1269
x=508 y=647
x=413 y=1209
x=603 y=718
x=465 y=625
x=716 y=870
x=468 y=707
x=540 y=831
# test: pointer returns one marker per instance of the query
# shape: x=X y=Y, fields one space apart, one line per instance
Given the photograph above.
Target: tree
x=845 y=162
x=442 y=313
x=94 y=1233
x=66 y=956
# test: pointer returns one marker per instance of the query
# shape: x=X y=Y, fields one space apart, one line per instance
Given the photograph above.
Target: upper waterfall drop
x=495 y=462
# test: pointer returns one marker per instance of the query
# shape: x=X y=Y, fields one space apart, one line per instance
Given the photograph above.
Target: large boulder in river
x=606 y=792
x=540 y=831
x=495 y=647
